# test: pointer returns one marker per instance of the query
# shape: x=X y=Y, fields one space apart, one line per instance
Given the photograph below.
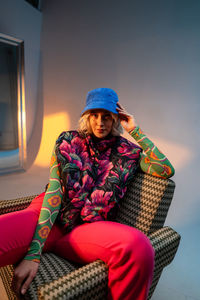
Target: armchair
x=144 y=206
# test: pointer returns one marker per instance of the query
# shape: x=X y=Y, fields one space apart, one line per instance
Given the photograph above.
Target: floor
x=161 y=293
x=164 y=293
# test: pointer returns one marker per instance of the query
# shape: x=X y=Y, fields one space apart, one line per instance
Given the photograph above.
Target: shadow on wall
x=185 y=205
x=179 y=155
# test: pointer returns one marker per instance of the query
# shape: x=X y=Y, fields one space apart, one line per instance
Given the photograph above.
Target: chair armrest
x=7 y=206
x=165 y=242
x=87 y=282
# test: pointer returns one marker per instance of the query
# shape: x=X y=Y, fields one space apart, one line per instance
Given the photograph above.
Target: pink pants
x=127 y=252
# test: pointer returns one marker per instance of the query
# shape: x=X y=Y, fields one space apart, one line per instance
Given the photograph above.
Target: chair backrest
x=146 y=202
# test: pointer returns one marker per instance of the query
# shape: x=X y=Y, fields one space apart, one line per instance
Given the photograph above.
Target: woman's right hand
x=127 y=120
x=23 y=276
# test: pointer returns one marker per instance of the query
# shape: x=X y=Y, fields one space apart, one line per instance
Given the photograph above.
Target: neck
x=96 y=139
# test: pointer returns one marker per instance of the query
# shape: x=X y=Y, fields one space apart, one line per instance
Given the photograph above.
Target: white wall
x=148 y=51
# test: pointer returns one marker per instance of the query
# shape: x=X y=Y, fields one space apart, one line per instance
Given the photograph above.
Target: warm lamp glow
x=53 y=125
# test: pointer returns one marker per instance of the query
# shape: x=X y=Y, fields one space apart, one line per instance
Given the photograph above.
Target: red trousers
x=127 y=252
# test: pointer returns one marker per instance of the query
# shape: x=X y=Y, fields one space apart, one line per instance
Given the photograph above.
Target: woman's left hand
x=23 y=276
x=127 y=120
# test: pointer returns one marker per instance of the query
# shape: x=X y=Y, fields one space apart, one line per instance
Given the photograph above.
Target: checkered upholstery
x=144 y=206
x=146 y=203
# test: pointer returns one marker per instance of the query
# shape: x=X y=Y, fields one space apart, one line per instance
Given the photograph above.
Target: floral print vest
x=94 y=176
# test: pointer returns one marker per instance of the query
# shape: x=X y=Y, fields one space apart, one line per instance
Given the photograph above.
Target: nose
x=100 y=120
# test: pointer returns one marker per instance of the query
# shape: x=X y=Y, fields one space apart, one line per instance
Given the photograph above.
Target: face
x=101 y=122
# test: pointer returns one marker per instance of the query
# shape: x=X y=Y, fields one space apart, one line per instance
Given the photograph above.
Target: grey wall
x=148 y=51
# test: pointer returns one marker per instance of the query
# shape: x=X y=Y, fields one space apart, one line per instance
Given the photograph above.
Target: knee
x=144 y=257
x=140 y=251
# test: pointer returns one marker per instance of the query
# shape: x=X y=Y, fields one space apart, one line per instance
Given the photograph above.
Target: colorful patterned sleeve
x=152 y=160
x=49 y=211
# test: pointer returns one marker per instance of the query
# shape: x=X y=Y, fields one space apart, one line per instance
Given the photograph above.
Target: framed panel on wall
x=12 y=105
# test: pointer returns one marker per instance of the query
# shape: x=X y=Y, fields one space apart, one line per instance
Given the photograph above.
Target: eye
x=94 y=115
x=107 y=117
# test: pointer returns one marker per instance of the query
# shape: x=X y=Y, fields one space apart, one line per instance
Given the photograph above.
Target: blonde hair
x=85 y=128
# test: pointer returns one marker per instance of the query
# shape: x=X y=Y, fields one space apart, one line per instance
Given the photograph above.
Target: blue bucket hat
x=102 y=98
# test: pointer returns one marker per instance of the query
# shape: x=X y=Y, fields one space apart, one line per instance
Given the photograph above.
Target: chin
x=101 y=136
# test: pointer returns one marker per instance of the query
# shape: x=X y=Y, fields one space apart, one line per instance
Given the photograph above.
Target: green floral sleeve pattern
x=152 y=160
x=49 y=211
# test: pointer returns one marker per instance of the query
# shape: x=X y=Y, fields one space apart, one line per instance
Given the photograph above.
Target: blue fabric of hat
x=101 y=98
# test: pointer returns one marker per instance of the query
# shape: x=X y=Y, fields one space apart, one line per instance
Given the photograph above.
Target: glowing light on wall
x=53 y=125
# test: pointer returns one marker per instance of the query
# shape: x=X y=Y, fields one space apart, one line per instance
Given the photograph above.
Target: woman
x=90 y=171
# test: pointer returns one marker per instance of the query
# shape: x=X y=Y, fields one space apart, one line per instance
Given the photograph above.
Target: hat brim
x=99 y=106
